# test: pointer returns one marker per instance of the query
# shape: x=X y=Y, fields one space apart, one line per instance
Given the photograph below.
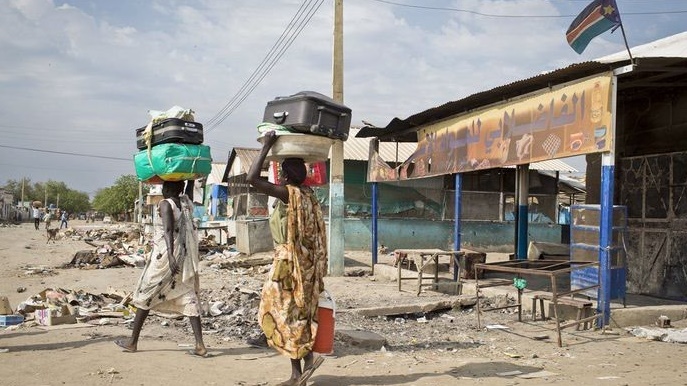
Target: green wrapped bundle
x=173 y=162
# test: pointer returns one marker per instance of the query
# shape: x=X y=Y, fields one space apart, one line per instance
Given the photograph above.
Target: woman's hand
x=270 y=138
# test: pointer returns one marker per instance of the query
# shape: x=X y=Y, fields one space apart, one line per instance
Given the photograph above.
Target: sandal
x=193 y=353
x=303 y=380
x=122 y=344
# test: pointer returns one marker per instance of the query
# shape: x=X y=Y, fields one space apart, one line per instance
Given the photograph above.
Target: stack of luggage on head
x=171 y=148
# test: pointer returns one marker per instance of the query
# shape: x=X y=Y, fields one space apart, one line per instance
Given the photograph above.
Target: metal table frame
x=220 y=228
x=427 y=256
x=547 y=268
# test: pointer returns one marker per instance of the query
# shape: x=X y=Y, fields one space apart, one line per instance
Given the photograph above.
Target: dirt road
x=442 y=348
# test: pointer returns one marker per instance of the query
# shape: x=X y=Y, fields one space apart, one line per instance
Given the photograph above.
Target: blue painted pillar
x=606 y=221
x=523 y=186
x=606 y=234
x=374 y=224
x=457 y=208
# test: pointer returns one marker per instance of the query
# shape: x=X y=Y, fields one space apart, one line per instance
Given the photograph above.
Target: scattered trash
x=660 y=334
x=351 y=363
x=496 y=327
x=509 y=373
x=663 y=321
x=10 y=320
x=537 y=374
x=54 y=316
x=216 y=308
x=519 y=283
x=5 y=308
x=4 y=350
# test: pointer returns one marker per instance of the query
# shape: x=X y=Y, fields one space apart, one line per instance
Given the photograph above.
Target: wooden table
x=427 y=256
x=546 y=268
x=211 y=227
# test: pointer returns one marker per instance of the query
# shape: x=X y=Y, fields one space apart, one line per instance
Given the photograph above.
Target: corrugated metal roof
x=662 y=62
x=245 y=159
x=358 y=149
x=674 y=46
x=216 y=174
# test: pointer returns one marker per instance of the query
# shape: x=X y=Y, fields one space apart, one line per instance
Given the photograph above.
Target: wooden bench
x=422 y=259
x=585 y=313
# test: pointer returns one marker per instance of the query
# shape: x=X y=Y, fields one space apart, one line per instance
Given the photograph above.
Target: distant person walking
x=47 y=219
x=63 y=219
x=36 y=217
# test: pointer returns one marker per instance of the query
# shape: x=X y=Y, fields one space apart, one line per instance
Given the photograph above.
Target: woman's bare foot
x=289 y=382
x=199 y=351
x=127 y=346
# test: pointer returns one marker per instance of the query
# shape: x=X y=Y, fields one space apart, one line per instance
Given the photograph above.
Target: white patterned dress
x=157 y=289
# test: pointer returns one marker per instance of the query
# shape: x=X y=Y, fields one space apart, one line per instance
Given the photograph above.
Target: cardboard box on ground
x=54 y=316
x=5 y=308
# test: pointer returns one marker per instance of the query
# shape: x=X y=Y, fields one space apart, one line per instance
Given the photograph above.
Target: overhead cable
x=292 y=31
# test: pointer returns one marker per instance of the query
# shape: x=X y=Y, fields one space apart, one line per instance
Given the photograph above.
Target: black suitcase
x=310 y=112
x=172 y=130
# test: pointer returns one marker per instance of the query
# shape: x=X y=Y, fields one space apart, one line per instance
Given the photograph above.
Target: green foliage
x=118 y=198
x=54 y=192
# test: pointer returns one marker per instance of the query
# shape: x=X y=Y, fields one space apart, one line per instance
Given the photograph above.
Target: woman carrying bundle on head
x=289 y=303
x=169 y=283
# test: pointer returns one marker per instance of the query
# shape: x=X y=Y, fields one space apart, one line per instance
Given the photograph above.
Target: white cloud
x=80 y=76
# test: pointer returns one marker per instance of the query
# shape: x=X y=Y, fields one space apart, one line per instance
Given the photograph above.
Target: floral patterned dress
x=288 y=307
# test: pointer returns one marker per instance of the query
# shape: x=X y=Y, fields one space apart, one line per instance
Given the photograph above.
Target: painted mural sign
x=564 y=121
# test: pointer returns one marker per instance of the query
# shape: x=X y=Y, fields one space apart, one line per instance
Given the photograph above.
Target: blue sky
x=79 y=77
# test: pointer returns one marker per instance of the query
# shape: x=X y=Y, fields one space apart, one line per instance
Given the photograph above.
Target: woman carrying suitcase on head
x=289 y=302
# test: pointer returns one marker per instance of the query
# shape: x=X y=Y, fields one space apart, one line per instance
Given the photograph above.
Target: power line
x=33 y=167
x=512 y=16
x=268 y=62
x=272 y=63
x=66 y=153
x=260 y=66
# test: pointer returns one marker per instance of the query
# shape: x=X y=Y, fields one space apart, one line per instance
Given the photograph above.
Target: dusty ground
x=447 y=349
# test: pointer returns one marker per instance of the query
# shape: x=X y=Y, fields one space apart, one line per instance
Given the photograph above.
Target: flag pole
x=622 y=29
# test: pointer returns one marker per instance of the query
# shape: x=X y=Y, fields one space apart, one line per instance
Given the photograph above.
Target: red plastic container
x=324 y=340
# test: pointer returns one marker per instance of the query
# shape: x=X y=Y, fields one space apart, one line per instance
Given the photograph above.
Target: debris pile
x=127 y=246
x=61 y=306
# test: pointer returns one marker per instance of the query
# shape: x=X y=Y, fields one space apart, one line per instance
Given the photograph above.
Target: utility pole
x=336 y=163
x=22 y=192
x=58 y=200
x=139 y=214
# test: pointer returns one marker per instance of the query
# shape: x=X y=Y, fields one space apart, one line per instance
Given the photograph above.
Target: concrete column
x=458 y=205
x=336 y=169
x=523 y=186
